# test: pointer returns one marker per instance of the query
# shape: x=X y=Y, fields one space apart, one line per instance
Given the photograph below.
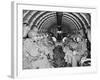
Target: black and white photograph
x=55 y=39
x=52 y=40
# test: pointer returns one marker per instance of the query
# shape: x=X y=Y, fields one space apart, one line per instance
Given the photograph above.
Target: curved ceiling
x=46 y=19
